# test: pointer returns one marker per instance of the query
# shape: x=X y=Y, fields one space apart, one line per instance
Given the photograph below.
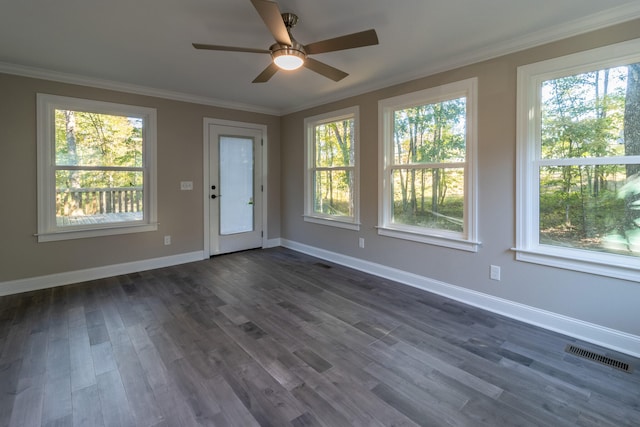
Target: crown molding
x=610 y=17
x=594 y=22
x=75 y=79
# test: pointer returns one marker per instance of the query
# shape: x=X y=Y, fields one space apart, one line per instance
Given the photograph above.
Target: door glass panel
x=236 y=185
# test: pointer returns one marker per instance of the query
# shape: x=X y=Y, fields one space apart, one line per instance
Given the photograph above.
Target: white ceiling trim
x=39 y=73
x=568 y=29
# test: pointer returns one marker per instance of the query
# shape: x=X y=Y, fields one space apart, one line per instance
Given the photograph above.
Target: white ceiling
x=144 y=46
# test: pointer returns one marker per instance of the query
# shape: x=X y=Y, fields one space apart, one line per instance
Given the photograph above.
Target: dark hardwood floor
x=278 y=338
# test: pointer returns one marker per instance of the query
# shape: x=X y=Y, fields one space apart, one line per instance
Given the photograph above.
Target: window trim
x=350 y=223
x=45 y=120
x=467 y=240
x=529 y=81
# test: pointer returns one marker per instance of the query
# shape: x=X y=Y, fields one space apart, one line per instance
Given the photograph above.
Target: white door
x=235 y=189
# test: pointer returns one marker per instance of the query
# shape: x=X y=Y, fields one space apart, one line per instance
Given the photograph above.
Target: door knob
x=213 y=196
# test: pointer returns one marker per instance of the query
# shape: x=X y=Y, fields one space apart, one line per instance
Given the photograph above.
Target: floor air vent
x=581 y=352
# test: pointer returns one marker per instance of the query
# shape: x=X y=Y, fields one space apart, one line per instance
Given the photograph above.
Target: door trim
x=207 y=122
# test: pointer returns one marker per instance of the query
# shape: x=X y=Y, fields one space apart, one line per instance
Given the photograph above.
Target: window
x=579 y=162
x=96 y=166
x=427 y=143
x=331 y=179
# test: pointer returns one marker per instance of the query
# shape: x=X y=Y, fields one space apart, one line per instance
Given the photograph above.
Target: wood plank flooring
x=277 y=338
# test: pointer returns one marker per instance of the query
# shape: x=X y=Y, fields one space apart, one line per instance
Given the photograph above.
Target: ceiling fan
x=287 y=53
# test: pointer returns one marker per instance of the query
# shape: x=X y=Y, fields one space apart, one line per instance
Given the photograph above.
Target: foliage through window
x=331 y=178
x=581 y=173
x=95 y=167
x=428 y=139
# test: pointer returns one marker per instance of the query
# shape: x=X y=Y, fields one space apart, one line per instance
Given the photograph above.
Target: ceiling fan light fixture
x=288 y=58
x=287 y=53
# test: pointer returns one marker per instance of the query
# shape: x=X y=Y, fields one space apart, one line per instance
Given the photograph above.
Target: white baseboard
x=273 y=243
x=66 y=278
x=590 y=332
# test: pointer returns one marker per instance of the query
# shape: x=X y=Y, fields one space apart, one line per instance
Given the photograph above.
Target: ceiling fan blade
x=266 y=74
x=363 y=38
x=229 y=48
x=324 y=69
x=270 y=14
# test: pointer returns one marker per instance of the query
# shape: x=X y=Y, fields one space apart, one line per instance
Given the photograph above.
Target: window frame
x=48 y=230
x=529 y=82
x=310 y=215
x=466 y=240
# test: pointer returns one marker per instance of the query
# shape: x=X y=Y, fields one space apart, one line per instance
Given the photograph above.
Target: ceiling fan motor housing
x=295 y=49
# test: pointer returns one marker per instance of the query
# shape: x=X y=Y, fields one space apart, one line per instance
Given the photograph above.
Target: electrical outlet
x=186 y=185
x=494 y=272
x=361 y=242
x=167 y=240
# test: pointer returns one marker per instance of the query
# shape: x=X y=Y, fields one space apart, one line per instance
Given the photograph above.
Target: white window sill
x=333 y=222
x=453 y=242
x=96 y=232
x=608 y=265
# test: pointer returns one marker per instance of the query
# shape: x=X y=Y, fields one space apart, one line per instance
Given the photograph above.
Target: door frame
x=207 y=123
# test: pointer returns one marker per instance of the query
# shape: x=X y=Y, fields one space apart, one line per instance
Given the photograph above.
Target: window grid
x=96 y=168
x=533 y=164
x=457 y=228
x=331 y=178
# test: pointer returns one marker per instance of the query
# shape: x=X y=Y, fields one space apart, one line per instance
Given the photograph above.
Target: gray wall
x=180 y=213
x=603 y=301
